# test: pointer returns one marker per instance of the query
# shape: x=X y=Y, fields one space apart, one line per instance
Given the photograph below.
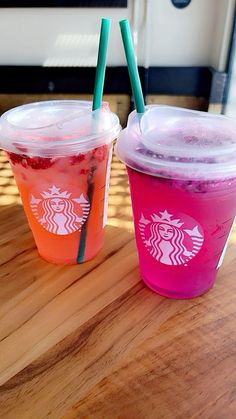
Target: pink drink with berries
x=182 y=173
x=60 y=153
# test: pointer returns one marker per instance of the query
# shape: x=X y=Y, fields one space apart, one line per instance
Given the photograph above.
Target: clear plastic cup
x=60 y=153
x=182 y=173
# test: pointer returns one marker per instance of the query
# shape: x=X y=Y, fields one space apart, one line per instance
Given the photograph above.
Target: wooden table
x=91 y=341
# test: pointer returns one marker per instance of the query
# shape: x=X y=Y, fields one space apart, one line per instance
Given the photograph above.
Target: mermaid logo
x=166 y=239
x=58 y=213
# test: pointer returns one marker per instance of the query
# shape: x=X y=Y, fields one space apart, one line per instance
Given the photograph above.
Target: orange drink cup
x=60 y=153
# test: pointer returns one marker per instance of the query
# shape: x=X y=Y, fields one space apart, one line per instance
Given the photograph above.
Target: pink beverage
x=182 y=173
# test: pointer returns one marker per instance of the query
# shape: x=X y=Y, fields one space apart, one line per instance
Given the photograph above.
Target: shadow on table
x=8 y=189
x=119 y=209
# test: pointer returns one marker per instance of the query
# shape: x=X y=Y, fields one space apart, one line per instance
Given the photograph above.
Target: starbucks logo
x=58 y=212
x=170 y=240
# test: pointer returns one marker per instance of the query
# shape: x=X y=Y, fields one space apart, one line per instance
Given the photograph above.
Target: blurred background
x=185 y=51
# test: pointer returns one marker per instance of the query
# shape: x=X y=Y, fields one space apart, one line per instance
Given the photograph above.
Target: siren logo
x=58 y=212
x=171 y=241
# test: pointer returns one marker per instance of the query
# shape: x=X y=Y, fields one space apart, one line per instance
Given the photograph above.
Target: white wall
x=57 y=36
x=197 y=35
x=181 y=36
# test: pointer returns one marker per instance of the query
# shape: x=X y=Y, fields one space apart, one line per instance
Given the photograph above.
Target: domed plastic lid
x=60 y=127
x=179 y=143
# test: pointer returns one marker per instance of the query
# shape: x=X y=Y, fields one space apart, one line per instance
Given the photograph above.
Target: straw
x=101 y=63
x=83 y=234
x=132 y=66
x=97 y=101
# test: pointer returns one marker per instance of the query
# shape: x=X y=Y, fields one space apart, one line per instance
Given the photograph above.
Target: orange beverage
x=62 y=172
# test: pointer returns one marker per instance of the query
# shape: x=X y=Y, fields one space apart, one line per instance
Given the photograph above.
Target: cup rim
x=53 y=146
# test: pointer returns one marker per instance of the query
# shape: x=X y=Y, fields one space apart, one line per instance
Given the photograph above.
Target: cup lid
x=181 y=143
x=57 y=127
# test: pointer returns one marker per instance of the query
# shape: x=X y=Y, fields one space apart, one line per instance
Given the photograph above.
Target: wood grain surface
x=91 y=341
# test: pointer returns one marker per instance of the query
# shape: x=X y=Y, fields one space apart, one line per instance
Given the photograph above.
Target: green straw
x=101 y=63
x=97 y=101
x=132 y=66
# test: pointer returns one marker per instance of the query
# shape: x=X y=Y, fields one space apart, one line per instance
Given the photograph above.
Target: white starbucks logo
x=58 y=212
x=171 y=241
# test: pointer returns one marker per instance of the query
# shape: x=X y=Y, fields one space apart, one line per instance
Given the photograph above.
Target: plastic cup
x=182 y=174
x=60 y=153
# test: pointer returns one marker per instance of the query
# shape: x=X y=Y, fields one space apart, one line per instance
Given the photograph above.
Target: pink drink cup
x=182 y=215
x=212 y=211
